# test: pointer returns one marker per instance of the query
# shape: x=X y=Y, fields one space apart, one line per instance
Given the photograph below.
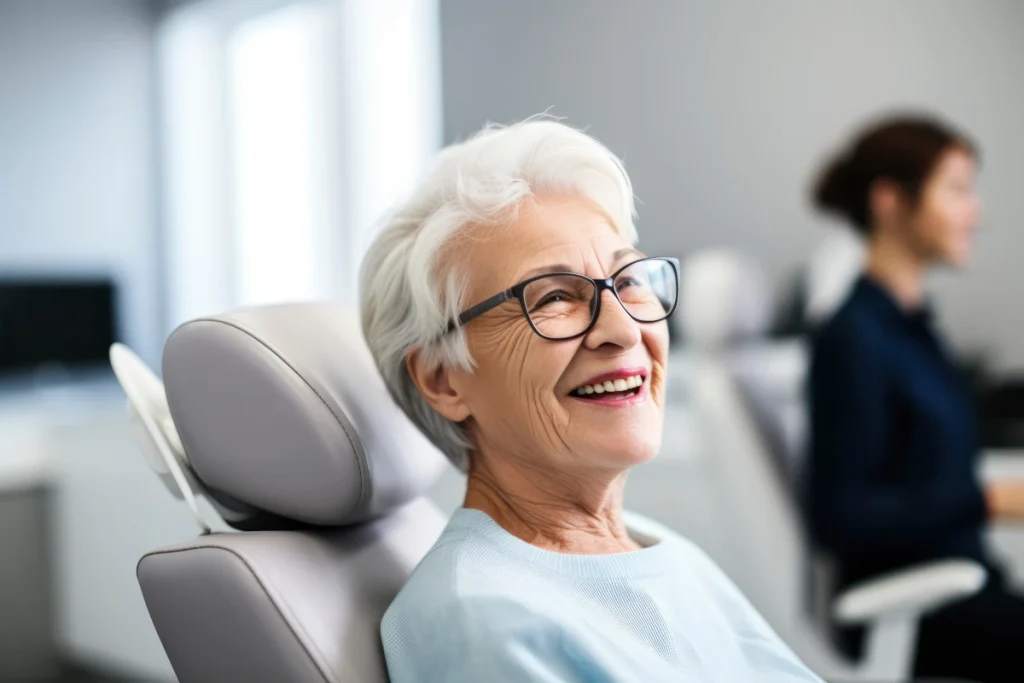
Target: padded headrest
x=724 y=299
x=282 y=409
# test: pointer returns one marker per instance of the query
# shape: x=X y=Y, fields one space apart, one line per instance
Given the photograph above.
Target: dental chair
x=748 y=396
x=275 y=430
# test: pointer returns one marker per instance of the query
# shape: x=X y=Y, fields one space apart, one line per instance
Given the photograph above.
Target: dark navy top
x=891 y=472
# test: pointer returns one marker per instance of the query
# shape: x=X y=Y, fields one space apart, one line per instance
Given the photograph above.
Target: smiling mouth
x=617 y=389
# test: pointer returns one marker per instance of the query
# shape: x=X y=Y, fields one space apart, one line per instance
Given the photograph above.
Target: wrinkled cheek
x=657 y=345
x=546 y=413
x=658 y=376
x=532 y=394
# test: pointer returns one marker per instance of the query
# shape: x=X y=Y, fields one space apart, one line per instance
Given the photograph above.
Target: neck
x=898 y=269
x=579 y=514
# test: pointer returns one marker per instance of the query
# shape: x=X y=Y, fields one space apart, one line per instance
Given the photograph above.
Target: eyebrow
x=544 y=270
x=628 y=251
x=564 y=268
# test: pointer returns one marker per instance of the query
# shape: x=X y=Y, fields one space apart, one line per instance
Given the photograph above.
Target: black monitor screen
x=46 y=321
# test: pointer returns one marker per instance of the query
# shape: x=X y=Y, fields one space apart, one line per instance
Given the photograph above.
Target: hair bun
x=834 y=191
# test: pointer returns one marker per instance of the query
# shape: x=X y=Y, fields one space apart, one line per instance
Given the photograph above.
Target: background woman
x=891 y=477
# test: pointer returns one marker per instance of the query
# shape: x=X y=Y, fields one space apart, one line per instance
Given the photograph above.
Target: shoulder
x=853 y=321
x=704 y=572
x=853 y=336
x=435 y=583
x=458 y=619
x=458 y=581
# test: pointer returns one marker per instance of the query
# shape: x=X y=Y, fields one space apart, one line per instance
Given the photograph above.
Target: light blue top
x=485 y=606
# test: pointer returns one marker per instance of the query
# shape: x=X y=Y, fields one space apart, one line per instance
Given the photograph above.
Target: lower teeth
x=616 y=394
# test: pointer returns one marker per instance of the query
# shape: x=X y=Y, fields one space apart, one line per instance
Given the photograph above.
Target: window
x=276 y=123
x=289 y=128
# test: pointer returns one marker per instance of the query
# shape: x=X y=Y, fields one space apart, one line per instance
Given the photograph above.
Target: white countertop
x=31 y=407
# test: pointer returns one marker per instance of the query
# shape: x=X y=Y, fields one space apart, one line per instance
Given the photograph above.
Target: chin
x=626 y=455
x=957 y=252
x=958 y=258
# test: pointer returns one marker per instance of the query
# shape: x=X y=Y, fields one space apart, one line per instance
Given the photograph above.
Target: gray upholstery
x=284 y=607
x=777 y=409
x=282 y=414
x=281 y=407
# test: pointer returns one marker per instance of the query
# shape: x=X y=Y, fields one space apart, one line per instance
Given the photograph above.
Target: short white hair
x=407 y=301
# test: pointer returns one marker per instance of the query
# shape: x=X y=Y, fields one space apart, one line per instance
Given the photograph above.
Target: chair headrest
x=724 y=299
x=281 y=408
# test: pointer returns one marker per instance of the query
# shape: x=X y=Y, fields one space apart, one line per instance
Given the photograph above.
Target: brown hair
x=903 y=150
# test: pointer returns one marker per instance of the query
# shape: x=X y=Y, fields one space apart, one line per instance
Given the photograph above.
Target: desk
x=1006 y=538
x=1002 y=464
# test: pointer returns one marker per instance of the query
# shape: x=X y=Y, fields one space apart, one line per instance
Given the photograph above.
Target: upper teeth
x=612 y=385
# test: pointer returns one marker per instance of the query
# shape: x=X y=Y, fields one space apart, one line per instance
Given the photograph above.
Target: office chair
x=276 y=419
x=724 y=313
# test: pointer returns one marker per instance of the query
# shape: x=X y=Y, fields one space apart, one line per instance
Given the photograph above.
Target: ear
x=887 y=201
x=435 y=385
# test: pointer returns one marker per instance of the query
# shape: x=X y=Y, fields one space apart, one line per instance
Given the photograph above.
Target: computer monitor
x=55 y=321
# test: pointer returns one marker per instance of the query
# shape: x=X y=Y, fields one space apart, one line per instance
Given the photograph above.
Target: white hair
x=409 y=294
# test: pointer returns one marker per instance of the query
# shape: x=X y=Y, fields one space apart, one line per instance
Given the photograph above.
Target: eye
x=628 y=281
x=551 y=297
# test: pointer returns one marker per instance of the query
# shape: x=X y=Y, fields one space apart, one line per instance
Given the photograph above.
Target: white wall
x=76 y=168
x=723 y=109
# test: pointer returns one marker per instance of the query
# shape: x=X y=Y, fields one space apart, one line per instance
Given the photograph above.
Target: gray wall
x=723 y=109
x=76 y=149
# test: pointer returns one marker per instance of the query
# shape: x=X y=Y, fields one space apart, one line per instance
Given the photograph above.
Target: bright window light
x=289 y=127
x=197 y=247
x=391 y=51
x=275 y=70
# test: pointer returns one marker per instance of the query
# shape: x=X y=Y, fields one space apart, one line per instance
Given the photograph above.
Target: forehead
x=548 y=230
x=956 y=161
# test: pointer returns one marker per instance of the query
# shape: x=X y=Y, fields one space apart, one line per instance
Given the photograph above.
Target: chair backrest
x=770 y=382
x=288 y=431
x=746 y=390
x=777 y=410
x=724 y=313
x=832 y=270
x=754 y=403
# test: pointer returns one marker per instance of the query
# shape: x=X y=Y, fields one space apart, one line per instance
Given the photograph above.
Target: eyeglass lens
x=562 y=306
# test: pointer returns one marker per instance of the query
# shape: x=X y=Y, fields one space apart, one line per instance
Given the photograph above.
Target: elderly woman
x=513 y=320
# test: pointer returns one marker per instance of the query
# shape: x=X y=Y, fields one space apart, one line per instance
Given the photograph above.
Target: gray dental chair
x=276 y=420
x=746 y=393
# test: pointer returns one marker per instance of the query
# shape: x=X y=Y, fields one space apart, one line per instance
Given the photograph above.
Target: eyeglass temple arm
x=481 y=308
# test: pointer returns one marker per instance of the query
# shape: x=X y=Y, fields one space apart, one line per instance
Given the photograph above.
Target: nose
x=613 y=326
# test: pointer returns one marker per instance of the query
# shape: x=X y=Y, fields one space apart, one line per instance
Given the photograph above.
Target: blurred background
x=165 y=160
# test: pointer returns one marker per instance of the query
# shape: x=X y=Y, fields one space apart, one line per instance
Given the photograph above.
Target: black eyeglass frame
x=517 y=291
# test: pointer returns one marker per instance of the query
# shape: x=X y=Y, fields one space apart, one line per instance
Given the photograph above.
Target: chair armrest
x=916 y=590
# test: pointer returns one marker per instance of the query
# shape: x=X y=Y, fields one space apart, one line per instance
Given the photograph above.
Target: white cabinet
x=87 y=508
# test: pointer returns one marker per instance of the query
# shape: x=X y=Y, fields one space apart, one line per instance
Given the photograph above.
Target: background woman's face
x=522 y=392
x=948 y=211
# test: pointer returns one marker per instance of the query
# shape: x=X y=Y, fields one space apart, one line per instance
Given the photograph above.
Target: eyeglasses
x=563 y=306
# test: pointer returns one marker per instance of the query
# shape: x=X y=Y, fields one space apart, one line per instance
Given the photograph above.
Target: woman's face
x=522 y=396
x=948 y=211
